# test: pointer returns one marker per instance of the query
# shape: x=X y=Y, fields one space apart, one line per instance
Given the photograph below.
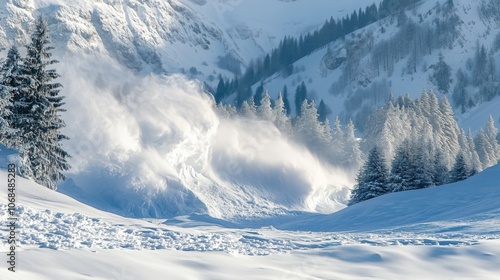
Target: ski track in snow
x=56 y=230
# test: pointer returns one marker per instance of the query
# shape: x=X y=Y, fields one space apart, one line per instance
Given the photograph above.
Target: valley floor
x=61 y=238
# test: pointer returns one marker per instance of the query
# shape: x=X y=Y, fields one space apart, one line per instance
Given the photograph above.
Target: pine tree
x=9 y=83
x=221 y=91
x=372 y=179
x=442 y=75
x=460 y=96
x=248 y=109
x=308 y=128
x=401 y=176
x=258 y=94
x=281 y=119
x=36 y=108
x=286 y=102
x=353 y=155
x=441 y=171
x=322 y=111
x=338 y=140
x=264 y=110
x=459 y=171
x=491 y=134
x=300 y=96
x=475 y=162
x=484 y=148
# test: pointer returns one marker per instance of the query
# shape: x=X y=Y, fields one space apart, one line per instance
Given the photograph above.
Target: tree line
x=30 y=107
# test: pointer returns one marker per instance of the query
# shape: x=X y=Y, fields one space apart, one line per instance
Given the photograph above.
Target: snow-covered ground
x=447 y=232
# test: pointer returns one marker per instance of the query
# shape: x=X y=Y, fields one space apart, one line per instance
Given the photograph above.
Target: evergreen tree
x=353 y=155
x=484 y=148
x=300 y=96
x=460 y=96
x=308 y=128
x=281 y=119
x=36 y=108
x=322 y=111
x=442 y=75
x=258 y=94
x=221 y=91
x=459 y=171
x=248 y=109
x=264 y=110
x=286 y=102
x=475 y=162
x=9 y=82
x=401 y=176
x=441 y=171
x=337 y=144
x=372 y=179
x=491 y=134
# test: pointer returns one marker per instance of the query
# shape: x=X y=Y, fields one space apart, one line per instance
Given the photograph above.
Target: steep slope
x=170 y=36
x=365 y=79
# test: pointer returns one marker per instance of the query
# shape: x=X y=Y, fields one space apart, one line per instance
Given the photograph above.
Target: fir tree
x=281 y=119
x=402 y=171
x=264 y=110
x=460 y=171
x=322 y=111
x=352 y=152
x=372 y=179
x=36 y=108
x=300 y=96
x=286 y=102
x=258 y=94
x=9 y=83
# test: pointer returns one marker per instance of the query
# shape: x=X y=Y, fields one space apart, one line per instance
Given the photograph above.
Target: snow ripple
x=54 y=230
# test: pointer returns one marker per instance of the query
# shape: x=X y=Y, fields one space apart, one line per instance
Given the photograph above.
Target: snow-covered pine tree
x=401 y=176
x=491 y=134
x=281 y=119
x=424 y=164
x=36 y=108
x=264 y=110
x=474 y=157
x=459 y=172
x=308 y=128
x=484 y=148
x=353 y=155
x=9 y=82
x=248 y=109
x=449 y=130
x=441 y=172
x=372 y=179
x=337 y=144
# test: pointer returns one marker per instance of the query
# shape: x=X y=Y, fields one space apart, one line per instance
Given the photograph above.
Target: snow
x=454 y=233
x=159 y=143
x=160 y=186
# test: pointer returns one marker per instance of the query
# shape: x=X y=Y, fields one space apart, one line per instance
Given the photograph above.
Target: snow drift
x=154 y=147
x=472 y=201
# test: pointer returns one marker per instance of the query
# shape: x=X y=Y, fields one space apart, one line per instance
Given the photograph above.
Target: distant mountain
x=198 y=37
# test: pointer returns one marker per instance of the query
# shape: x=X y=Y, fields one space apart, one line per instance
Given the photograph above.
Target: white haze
x=154 y=147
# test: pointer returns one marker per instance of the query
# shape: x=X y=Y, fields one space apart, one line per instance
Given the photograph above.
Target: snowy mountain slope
x=173 y=35
x=371 y=87
x=78 y=242
x=472 y=205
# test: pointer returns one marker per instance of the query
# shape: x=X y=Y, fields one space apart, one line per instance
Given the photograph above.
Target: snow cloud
x=154 y=146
